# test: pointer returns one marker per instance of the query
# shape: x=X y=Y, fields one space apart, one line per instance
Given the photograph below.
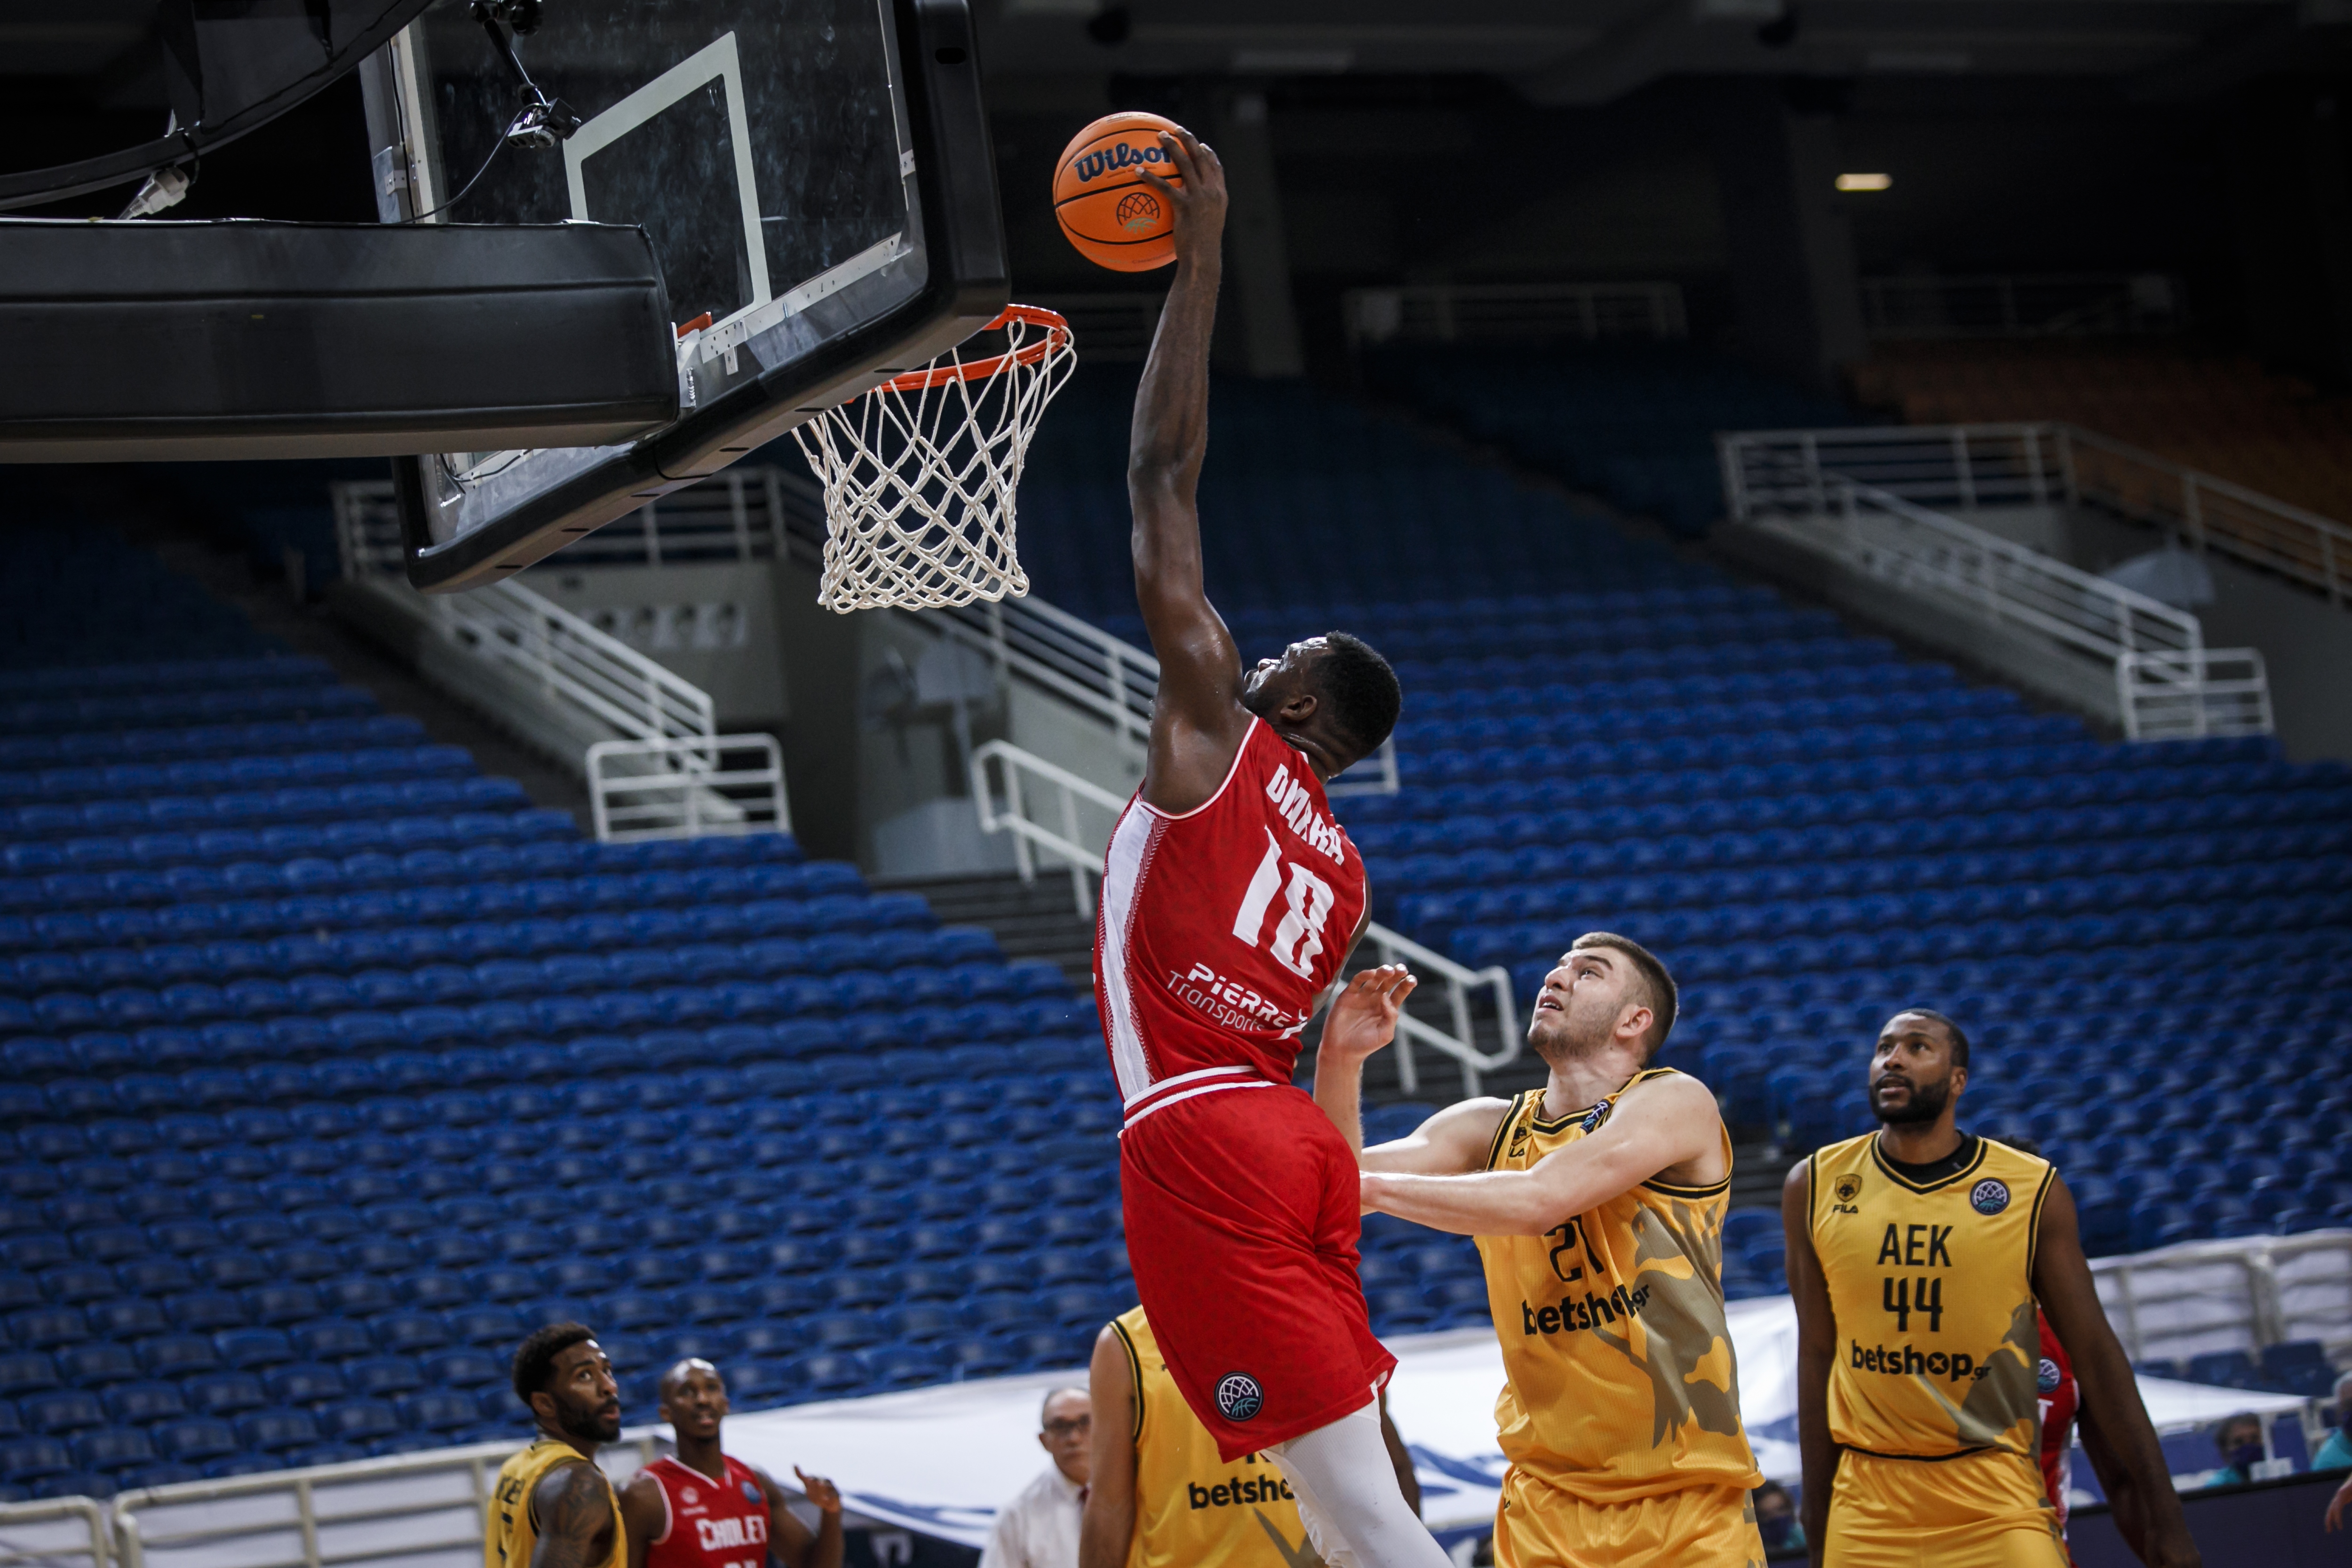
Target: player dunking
x=1230 y=898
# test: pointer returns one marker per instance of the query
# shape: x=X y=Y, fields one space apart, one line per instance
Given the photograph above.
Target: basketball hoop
x=919 y=473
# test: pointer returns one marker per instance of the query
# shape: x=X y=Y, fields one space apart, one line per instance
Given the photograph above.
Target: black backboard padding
x=141 y=340
x=967 y=283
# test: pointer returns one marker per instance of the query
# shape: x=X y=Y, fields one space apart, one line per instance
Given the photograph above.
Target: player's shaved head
x=1333 y=697
x=675 y=1378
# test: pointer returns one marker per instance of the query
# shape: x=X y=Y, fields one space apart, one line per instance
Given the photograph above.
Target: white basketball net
x=919 y=473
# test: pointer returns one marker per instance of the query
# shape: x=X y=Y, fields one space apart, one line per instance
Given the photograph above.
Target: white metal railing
x=1969 y=467
x=2208 y=513
x=1513 y=312
x=57 y=1533
x=2022 y=306
x=419 y=1510
x=1796 y=485
x=688 y=788
x=2194 y=693
x=571 y=662
x=2245 y=1294
x=1011 y=787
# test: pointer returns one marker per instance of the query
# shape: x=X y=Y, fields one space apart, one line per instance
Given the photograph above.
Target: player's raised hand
x=1363 y=1016
x=2337 y=1504
x=1198 y=202
x=820 y=1491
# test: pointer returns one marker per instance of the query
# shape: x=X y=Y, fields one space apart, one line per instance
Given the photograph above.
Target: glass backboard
x=816 y=180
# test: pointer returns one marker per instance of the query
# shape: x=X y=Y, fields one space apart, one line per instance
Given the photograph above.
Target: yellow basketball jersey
x=1191 y=1509
x=1931 y=1287
x=1622 y=1383
x=513 y=1532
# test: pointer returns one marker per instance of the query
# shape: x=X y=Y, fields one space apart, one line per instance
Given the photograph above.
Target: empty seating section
x=2150 y=944
x=1302 y=499
x=329 y=1068
x=2228 y=416
x=79 y=594
x=1636 y=422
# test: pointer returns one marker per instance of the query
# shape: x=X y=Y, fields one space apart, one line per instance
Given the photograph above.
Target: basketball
x=1109 y=214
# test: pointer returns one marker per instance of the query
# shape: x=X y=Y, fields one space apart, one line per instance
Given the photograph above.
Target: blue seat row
x=260 y=807
x=58 y=785
x=303 y=699
x=172 y=741
x=165 y=675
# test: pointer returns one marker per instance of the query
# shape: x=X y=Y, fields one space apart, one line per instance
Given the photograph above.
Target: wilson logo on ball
x=1239 y=1396
x=1091 y=167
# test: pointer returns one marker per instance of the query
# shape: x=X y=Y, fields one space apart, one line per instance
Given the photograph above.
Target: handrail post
x=2066 y=465
x=1961 y=471
x=1078 y=893
x=2039 y=480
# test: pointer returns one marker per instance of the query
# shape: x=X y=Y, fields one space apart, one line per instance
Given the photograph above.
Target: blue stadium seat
x=225 y=1393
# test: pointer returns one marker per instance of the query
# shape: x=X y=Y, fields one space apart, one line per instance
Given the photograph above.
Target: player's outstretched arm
x=1108 y=1526
x=1198 y=723
x=1816 y=1349
x=790 y=1541
x=642 y=1509
x=1665 y=1123
x=2069 y=1298
x=574 y=1510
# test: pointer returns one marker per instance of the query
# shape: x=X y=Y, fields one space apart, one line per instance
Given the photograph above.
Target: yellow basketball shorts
x=1541 y=1526
x=1985 y=1509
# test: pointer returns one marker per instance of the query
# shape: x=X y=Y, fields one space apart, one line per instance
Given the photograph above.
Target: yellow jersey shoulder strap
x=1127 y=1325
x=1522 y=1104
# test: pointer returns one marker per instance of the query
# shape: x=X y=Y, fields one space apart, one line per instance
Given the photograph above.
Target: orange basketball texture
x=1106 y=209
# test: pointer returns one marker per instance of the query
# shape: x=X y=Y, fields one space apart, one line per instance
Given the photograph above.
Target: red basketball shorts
x=1242 y=1213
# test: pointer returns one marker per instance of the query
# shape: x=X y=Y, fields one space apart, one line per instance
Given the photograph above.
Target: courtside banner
x=938 y=1461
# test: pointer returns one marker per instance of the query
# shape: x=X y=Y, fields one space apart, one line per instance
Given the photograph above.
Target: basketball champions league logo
x=1239 y=1398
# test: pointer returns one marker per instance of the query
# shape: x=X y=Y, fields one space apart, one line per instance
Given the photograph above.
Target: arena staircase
x=1032 y=920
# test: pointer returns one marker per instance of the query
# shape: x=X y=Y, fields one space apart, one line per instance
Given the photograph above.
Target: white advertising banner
x=939 y=1460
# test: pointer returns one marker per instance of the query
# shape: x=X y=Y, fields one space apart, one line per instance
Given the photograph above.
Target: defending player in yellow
x=1916 y=1255
x=1161 y=1497
x=550 y=1506
x=1598 y=1205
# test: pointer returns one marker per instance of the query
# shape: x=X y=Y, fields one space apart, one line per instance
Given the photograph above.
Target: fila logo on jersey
x=1239 y=1398
x=1989 y=1196
x=1296 y=807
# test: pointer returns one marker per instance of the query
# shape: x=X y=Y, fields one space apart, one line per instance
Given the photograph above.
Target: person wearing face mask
x=1918 y=1255
x=1776 y=1520
x=2238 y=1442
x=2336 y=1454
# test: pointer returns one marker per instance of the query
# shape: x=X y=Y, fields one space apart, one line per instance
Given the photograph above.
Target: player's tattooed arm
x=1667 y=1122
x=1108 y=1526
x=2111 y=1402
x=1816 y=1351
x=642 y=1510
x=575 y=1509
x=1198 y=723
x=790 y=1541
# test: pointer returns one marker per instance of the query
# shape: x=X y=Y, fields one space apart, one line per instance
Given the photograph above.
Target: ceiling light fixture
x=1865 y=182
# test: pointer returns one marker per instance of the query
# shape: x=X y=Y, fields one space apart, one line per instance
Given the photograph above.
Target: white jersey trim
x=1135 y=1100
x=1189 y=1093
x=1132 y=843
x=1243 y=751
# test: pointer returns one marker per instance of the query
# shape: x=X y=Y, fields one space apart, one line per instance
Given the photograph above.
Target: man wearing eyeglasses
x=1039 y=1529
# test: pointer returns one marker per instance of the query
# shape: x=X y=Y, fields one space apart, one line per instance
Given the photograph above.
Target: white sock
x=1348 y=1497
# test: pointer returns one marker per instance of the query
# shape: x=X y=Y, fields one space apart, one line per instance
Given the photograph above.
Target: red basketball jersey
x=2060 y=1398
x=1219 y=927
x=708 y=1523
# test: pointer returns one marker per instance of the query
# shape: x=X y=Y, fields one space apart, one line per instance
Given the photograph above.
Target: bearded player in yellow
x=1916 y=1254
x=1597 y=1206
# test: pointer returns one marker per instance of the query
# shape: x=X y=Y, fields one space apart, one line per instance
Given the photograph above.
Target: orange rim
x=1057 y=335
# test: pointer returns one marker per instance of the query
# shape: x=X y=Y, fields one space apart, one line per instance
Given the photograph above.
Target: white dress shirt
x=1039 y=1529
